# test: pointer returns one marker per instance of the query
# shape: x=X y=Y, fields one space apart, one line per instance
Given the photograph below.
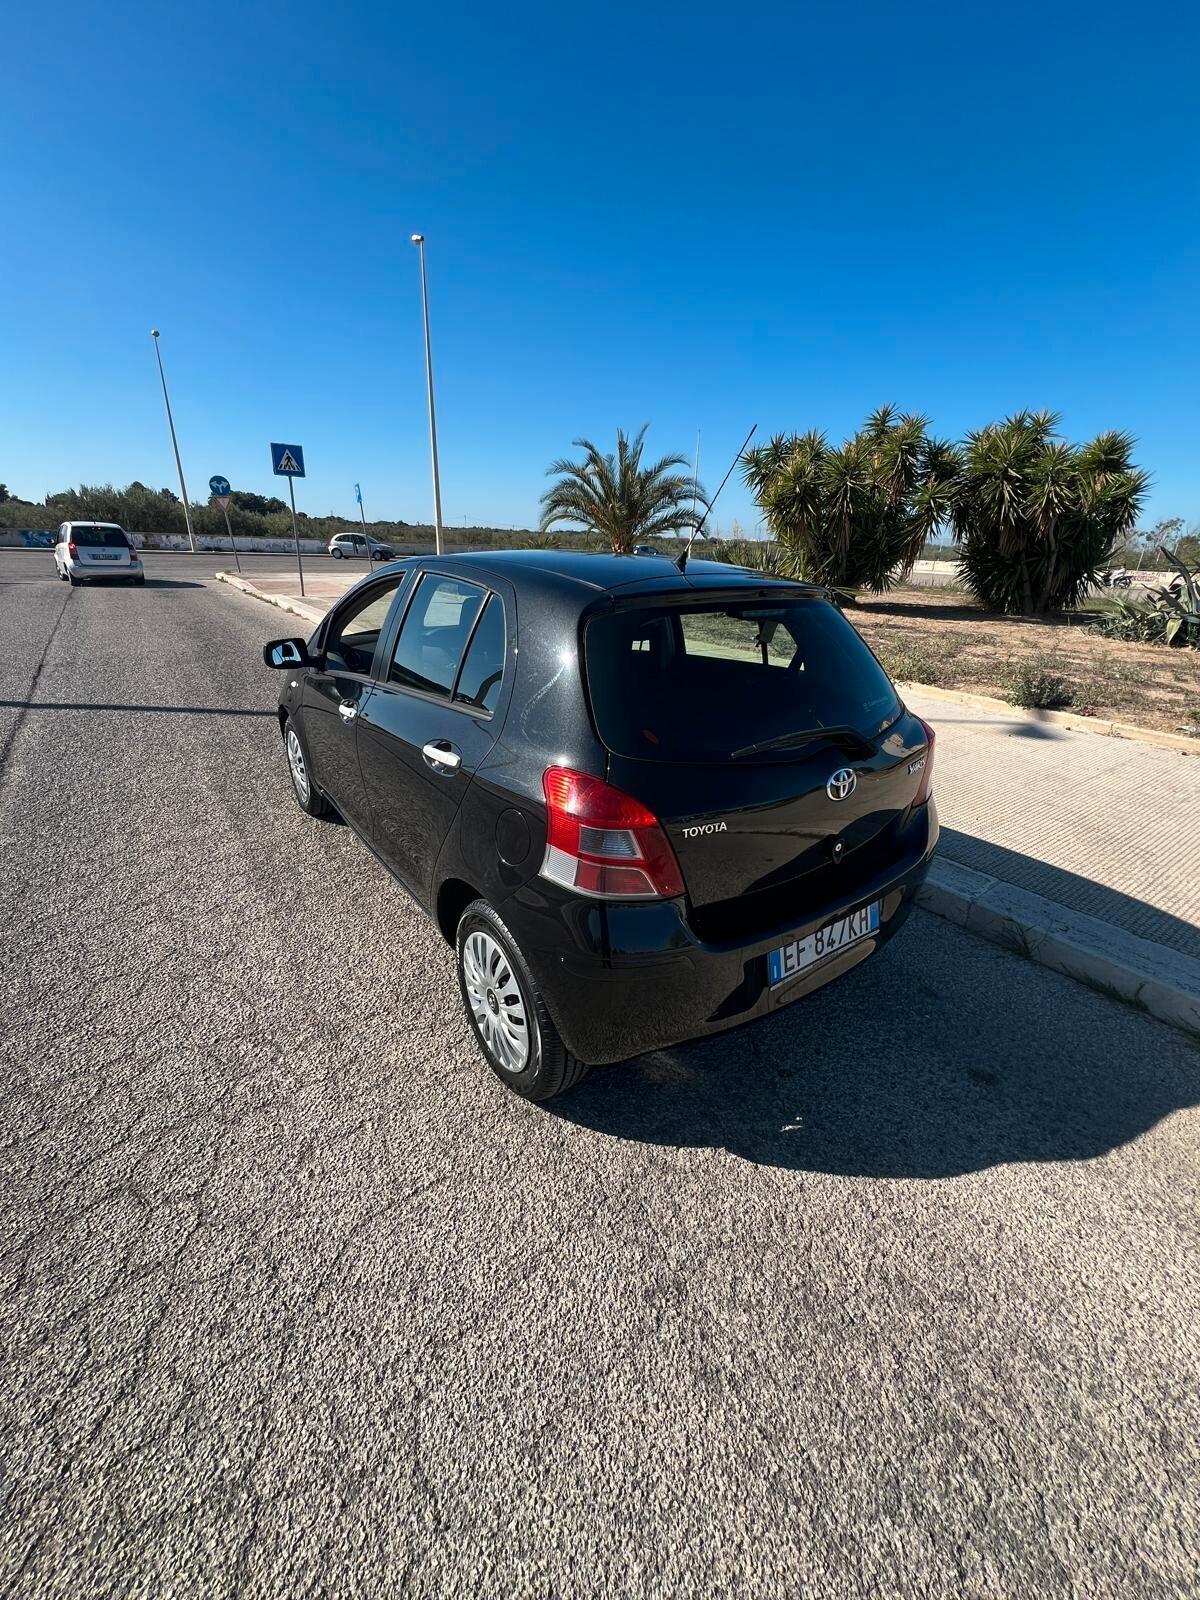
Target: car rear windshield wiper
x=840 y=736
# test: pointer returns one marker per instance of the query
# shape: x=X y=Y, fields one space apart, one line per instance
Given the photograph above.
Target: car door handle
x=348 y=710
x=442 y=754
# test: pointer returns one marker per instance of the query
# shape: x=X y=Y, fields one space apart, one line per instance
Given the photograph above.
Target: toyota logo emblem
x=842 y=785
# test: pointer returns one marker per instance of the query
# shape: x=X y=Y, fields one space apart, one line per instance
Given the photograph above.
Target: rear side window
x=483 y=669
x=699 y=683
x=100 y=538
x=434 y=634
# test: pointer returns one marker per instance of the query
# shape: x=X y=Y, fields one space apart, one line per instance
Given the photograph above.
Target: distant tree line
x=140 y=509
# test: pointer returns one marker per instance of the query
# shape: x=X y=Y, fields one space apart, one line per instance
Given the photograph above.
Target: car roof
x=90 y=522
x=601 y=572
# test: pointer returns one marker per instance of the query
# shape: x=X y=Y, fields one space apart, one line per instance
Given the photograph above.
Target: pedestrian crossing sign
x=287 y=460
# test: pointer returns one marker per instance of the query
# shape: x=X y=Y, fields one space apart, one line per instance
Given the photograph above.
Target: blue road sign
x=287 y=460
x=218 y=485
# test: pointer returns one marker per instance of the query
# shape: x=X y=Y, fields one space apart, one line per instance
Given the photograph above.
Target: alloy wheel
x=299 y=771
x=496 y=1001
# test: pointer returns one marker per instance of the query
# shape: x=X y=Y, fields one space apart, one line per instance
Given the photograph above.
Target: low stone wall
x=43 y=539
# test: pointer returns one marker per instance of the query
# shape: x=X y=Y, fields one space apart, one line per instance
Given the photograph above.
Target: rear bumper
x=87 y=570
x=623 y=979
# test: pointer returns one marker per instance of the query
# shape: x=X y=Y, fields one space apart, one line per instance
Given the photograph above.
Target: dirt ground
x=944 y=638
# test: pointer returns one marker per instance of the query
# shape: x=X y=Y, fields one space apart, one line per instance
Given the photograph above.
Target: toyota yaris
x=643 y=805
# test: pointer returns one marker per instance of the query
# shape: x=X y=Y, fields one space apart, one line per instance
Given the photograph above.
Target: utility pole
x=187 y=510
x=419 y=240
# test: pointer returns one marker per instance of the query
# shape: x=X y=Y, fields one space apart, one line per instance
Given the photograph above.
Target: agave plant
x=855 y=514
x=760 y=555
x=617 y=499
x=1169 y=614
x=1037 y=517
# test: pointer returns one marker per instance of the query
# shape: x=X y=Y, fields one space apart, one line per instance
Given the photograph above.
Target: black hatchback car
x=642 y=804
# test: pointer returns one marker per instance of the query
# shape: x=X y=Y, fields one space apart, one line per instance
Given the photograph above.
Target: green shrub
x=908 y=660
x=1038 y=684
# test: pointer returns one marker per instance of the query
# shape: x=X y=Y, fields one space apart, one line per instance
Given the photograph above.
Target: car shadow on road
x=943 y=1055
x=108 y=705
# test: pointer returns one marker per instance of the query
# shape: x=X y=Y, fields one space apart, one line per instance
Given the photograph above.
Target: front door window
x=354 y=632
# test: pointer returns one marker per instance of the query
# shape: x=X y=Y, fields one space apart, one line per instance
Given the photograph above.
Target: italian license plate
x=105 y=558
x=791 y=959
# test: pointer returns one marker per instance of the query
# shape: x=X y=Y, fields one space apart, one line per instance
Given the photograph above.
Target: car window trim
x=462 y=707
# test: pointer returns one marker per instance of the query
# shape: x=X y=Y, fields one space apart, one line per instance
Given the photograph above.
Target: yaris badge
x=842 y=785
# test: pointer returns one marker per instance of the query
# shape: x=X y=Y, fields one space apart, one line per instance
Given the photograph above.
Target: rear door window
x=483 y=667
x=434 y=634
x=702 y=682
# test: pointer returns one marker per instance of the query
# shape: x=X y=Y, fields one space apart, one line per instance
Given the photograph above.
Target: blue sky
x=700 y=217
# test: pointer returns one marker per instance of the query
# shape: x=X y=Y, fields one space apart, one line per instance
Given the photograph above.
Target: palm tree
x=855 y=514
x=618 y=499
x=1036 y=517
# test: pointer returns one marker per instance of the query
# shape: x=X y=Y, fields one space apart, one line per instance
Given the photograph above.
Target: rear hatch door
x=104 y=548
x=763 y=734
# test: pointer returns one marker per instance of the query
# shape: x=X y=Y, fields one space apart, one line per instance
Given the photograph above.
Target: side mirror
x=286 y=653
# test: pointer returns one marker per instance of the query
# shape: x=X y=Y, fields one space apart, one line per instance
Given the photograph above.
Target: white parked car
x=344 y=545
x=87 y=550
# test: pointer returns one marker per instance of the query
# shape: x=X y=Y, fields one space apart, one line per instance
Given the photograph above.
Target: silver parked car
x=344 y=545
x=86 y=550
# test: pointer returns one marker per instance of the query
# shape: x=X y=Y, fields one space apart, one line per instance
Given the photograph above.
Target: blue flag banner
x=358 y=494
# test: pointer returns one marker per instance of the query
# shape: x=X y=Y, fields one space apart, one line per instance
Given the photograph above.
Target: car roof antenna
x=682 y=557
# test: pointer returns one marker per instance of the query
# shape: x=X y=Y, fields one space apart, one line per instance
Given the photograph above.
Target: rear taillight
x=602 y=842
x=73 y=550
x=926 y=788
x=133 y=552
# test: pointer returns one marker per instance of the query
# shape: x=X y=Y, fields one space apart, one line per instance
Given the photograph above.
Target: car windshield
x=93 y=537
x=672 y=683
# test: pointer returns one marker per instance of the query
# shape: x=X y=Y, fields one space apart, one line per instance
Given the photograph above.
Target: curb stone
x=1182 y=742
x=1163 y=982
x=298 y=608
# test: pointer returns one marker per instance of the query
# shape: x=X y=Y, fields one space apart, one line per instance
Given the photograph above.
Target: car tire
x=140 y=582
x=336 y=554
x=62 y=576
x=530 y=1059
x=73 y=580
x=308 y=797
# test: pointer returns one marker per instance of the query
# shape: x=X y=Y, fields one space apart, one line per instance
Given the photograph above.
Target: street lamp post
x=419 y=240
x=187 y=512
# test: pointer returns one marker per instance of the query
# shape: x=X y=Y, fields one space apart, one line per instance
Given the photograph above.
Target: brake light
x=926 y=788
x=72 y=550
x=602 y=842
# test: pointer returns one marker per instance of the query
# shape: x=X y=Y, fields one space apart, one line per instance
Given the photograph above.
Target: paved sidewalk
x=321 y=588
x=1106 y=827
x=1080 y=849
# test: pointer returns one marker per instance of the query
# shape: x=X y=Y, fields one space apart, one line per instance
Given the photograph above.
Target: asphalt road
x=893 y=1294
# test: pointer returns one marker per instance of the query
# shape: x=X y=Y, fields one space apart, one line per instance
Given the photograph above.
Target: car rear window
x=93 y=538
x=701 y=683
